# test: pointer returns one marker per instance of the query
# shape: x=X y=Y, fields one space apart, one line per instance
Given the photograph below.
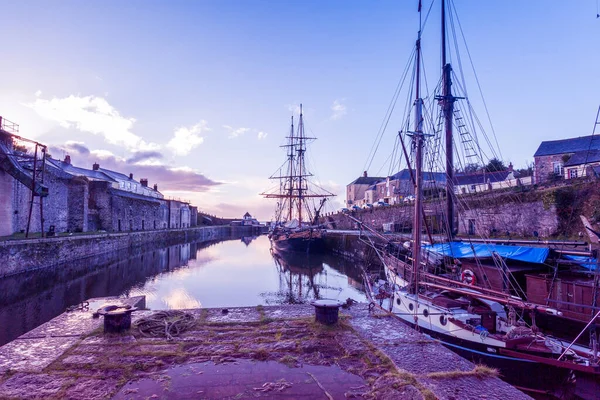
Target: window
x=473 y=187
x=573 y=173
x=558 y=168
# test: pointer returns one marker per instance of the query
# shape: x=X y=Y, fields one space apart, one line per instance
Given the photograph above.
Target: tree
x=471 y=168
x=495 y=165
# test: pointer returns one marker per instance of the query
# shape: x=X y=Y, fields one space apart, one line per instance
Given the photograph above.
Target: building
x=582 y=163
x=484 y=181
x=553 y=156
x=392 y=189
x=355 y=191
x=75 y=199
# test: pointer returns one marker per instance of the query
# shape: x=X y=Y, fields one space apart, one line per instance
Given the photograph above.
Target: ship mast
x=447 y=102
x=291 y=171
x=301 y=177
x=418 y=139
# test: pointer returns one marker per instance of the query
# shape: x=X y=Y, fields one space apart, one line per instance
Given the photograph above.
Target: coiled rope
x=165 y=324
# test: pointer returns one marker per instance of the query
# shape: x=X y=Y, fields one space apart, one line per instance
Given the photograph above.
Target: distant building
x=355 y=191
x=391 y=189
x=484 y=181
x=565 y=158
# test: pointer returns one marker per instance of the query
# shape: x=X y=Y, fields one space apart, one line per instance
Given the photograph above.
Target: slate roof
x=136 y=196
x=367 y=180
x=116 y=175
x=76 y=171
x=583 y=157
x=481 y=178
x=404 y=175
x=572 y=145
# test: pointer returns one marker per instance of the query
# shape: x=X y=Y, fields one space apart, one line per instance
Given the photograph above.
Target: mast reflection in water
x=224 y=274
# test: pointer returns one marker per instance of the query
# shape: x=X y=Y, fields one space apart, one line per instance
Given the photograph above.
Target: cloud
x=94 y=115
x=140 y=156
x=338 y=110
x=233 y=133
x=186 y=139
x=78 y=147
x=38 y=93
x=261 y=135
x=293 y=108
x=167 y=177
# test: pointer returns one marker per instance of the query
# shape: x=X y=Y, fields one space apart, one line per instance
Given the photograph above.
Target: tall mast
x=418 y=138
x=300 y=166
x=291 y=172
x=447 y=103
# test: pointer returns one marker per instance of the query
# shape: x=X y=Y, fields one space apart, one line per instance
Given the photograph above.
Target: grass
x=480 y=371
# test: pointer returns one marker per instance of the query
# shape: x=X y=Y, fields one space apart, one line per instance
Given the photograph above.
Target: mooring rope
x=165 y=324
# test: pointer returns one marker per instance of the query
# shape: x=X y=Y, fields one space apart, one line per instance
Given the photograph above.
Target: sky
x=196 y=96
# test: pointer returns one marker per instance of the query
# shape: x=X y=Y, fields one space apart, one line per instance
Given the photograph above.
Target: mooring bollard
x=116 y=318
x=327 y=311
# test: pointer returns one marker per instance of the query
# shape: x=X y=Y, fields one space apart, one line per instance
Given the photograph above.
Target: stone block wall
x=544 y=166
x=483 y=219
x=17 y=256
x=521 y=219
x=6 y=204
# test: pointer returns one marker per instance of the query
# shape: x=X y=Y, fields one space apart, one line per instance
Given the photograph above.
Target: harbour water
x=231 y=273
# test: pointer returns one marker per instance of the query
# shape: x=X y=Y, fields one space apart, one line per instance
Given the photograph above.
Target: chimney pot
x=510 y=167
x=156 y=187
x=130 y=176
x=96 y=166
x=365 y=174
x=68 y=159
x=144 y=182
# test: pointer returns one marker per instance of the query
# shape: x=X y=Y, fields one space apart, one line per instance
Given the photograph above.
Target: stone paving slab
x=33 y=354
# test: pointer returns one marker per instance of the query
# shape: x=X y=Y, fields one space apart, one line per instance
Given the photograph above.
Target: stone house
x=76 y=199
x=552 y=157
x=355 y=191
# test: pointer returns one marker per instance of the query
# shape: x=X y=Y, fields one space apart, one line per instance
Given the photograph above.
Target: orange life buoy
x=468 y=277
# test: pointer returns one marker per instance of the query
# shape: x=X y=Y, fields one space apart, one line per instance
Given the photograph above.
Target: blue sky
x=206 y=88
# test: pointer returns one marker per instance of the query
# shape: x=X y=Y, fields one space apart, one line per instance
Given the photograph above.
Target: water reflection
x=209 y=274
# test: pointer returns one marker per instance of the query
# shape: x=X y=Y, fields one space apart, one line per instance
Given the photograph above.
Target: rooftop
x=481 y=178
x=583 y=157
x=571 y=145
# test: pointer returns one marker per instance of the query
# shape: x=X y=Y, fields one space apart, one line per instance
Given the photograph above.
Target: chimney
x=96 y=166
x=68 y=159
x=130 y=176
x=510 y=167
x=144 y=182
x=156 y=187
x=365 y=174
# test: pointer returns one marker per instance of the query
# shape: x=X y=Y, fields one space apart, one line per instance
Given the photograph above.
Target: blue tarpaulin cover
x=586 y=262
x=483 y=250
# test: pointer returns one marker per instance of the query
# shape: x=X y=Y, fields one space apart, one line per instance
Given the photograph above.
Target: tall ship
x=299 y=200
x=440 y=288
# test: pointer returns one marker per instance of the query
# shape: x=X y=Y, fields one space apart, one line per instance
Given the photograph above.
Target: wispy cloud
x=235 y=132
x=261 y=135
x=141 y=156
x=167 y=177
x=185 y=139
x=338 y=109
x=91 y=114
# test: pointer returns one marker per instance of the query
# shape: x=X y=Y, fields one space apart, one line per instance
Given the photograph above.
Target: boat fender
x=468 y=277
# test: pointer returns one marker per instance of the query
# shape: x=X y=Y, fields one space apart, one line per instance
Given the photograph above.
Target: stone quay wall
x=18 y=256
x=481 y=218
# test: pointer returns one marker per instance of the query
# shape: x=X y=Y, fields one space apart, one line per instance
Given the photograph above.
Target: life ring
x=468 y=277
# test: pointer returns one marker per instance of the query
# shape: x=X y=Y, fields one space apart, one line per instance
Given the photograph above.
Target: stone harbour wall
x=17 y=256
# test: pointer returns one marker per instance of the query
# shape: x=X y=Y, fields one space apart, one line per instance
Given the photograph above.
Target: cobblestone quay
x=253 y=352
